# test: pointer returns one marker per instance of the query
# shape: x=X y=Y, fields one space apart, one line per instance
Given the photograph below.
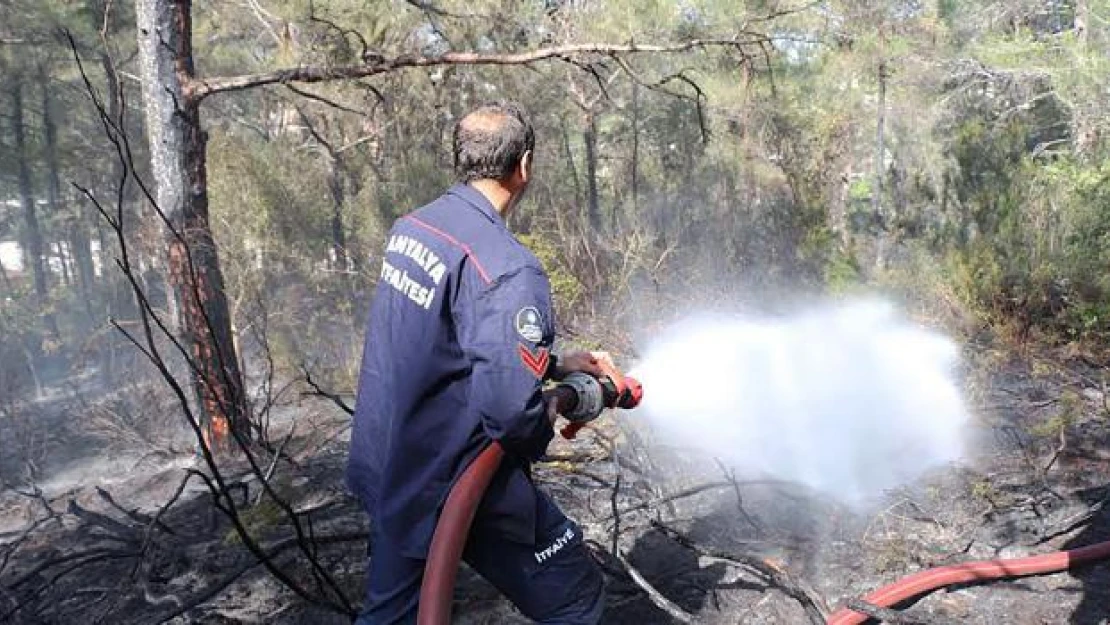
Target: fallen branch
x=273 y=554
x=697 y=490
x=92 y=557
x=892 y=616
x=207 y=594
x=656 y=597
x=682 y=494
x=119 y=531
x=23 y=535
x=134 y=515
x=815 y=607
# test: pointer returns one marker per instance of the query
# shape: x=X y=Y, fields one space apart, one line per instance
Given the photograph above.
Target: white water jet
x=850 y=400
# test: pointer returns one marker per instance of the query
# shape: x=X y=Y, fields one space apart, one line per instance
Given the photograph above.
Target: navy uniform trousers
x=553 y=581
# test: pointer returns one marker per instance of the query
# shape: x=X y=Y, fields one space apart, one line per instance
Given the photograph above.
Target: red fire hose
x=931 y=579
x=438 y=587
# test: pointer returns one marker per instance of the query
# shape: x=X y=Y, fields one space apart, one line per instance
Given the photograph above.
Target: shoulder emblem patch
x=536 y=362
x=529 y=324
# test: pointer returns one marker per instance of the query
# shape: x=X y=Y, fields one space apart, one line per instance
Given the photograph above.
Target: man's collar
x=474 y=197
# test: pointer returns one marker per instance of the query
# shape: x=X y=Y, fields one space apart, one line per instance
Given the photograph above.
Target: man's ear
x=525 y=167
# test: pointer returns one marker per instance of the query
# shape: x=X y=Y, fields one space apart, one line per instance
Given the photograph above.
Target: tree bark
x=78 y=243
x=635 y=165
x=32 y=234
x=338 y=238
x=177 y=146
x=1082 y=21
x=593 y=207
x=6 y=280
x=1085 y=128
x=569 y=153
x=64 y=261
x=877 y=192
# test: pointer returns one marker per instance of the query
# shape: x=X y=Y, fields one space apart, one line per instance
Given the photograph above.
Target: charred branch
x=815 y=607
x=887 y=615
x=663 y=603
x=319 y=391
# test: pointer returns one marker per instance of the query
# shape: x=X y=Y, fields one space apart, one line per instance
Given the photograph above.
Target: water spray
x=850 y=401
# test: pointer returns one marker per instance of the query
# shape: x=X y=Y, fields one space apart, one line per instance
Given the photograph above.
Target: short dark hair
x=489 y=141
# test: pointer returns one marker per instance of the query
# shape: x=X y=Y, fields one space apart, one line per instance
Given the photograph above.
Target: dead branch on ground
x=814 y=605
x=656 y=597
x=893 y=616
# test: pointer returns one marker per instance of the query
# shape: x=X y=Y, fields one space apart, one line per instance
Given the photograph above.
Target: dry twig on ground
x=893 y=616
x=815 y=607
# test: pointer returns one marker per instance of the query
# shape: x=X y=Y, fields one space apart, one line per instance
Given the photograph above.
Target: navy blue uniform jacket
x=457 y=344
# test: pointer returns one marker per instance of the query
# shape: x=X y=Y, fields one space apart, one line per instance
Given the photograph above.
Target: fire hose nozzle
x=634 y=394
x=617 y=391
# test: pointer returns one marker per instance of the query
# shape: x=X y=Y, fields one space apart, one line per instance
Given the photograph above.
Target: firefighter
x=457 y=349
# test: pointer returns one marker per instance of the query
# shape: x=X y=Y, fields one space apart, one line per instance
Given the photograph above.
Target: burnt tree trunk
x=177 y=147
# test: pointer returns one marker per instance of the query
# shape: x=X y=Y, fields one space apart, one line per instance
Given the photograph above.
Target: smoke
x=850 y=400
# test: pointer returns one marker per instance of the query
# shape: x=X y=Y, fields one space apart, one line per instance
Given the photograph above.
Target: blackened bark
x=177 y=145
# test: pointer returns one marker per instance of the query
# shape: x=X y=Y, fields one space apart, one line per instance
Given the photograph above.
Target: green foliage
x=567 y=291
x=992 y=204
x=842 y=274
x=1055 y=426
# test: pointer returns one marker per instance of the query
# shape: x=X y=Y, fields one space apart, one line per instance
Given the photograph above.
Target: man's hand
x=558 y=400
x=586 y=362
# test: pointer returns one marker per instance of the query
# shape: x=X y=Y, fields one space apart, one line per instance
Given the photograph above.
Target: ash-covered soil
x=95 y=542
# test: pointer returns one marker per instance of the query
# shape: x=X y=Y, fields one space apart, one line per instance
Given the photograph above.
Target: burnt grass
x=95 y=542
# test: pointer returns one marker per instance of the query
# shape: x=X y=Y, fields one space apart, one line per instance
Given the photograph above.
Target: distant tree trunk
x=6 y=279
x=1082 y=21
x=1085 y=128
x=877 y=192
x=838 y=211
x=338 y=238
x=32 y=235
x=63 y=261
x=592 y=203
x=177 y=146
x=634 y=177
x=572 y=167
x=79 y=245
